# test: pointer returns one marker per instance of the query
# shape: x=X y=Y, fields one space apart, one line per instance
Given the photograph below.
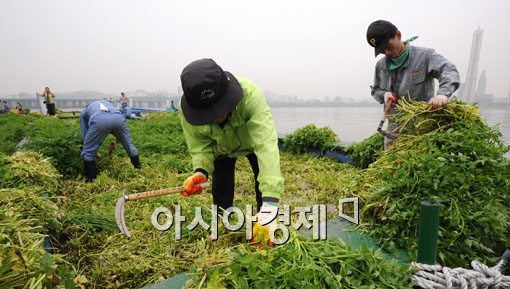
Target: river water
x=354 y=124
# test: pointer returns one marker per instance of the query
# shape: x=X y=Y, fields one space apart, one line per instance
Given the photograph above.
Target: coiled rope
x=481 y=277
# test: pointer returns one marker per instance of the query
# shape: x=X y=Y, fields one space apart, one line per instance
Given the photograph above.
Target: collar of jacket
x=235 y=119
x=397 y=63
x=411 y=52
x=406 y=64
x=218 y=132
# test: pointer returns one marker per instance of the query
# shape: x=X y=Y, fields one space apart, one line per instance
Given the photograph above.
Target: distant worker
x=225 y=117
x=97 y=120
x=19 y=107
x=49 y=100
x=125 y=109
x=172 y=107
x=5 y=106
x=408 y=72
x=124 y=101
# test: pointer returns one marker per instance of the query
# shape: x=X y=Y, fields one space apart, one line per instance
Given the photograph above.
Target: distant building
x=507 y=98
x=481 y=97
x=469 y=88
x=482 y=84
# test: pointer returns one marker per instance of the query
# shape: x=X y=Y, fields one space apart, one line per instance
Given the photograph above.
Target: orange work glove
x=192 y=184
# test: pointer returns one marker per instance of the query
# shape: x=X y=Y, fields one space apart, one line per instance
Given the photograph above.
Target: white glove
x=267 y=213
x=389 y=95
x=438 y=101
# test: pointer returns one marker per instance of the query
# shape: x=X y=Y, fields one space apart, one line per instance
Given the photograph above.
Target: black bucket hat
x=209 y=92
x=379 y=33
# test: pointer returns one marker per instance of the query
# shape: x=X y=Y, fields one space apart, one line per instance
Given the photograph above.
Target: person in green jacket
x=225 y=117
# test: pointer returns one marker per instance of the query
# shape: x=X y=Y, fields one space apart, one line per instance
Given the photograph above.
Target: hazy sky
x=311 y=49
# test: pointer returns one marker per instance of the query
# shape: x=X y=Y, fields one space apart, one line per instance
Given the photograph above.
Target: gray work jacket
x=415 y=79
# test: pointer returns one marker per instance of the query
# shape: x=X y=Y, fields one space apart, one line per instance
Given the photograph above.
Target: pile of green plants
x=30 y=217
x=364 y=153
x=301 y=263
x=450 y=156
x=159 y=134
x=85 y=235
x=59 y=140
x=29 y=169
x=310 y=137
x=24 y=221
x=13 y=128
x=456 y=161
x=54 y=138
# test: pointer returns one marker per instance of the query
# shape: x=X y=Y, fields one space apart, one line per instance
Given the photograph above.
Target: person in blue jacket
x=97 y=120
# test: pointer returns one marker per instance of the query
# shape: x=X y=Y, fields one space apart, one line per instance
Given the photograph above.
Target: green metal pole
x=427 y=236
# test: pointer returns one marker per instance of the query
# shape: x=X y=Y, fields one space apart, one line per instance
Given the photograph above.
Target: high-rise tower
x=482 y=84
x=508 y=96
x=469 y=87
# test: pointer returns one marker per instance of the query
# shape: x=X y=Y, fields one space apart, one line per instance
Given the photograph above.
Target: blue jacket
x=99 y=119
x=92 y=110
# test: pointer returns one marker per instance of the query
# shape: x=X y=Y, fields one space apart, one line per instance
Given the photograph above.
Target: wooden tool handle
x=162 y=192
x=388 y=106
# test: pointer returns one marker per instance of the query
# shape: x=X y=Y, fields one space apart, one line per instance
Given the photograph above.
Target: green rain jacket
x=249 y=130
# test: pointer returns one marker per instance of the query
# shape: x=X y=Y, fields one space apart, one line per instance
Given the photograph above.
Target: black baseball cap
x=379 y=33
x=209 y=92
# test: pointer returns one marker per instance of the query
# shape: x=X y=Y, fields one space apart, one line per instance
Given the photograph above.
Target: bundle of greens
x=59 y=140
x=54 y=138
x=309 y=137
x=13 y=128
x=450 y=156
x=158 y=133
x=24 y=217
x=29 y=170
x=364 y=153
x=301 y=264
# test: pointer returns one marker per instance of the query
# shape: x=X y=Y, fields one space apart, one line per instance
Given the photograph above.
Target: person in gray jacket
x=97 y=120
x=408 y=71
